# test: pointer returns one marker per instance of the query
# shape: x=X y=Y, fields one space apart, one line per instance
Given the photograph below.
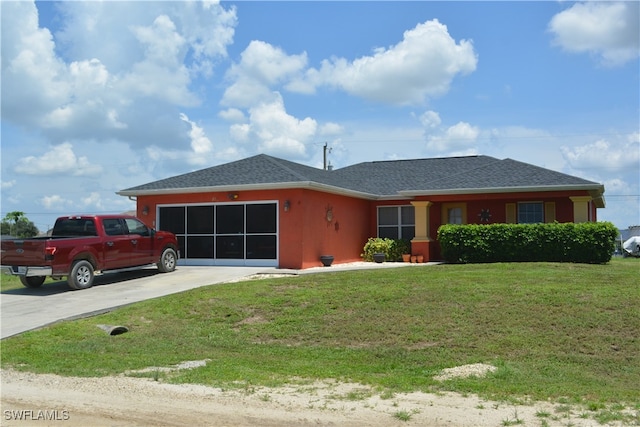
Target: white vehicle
x=632 y=246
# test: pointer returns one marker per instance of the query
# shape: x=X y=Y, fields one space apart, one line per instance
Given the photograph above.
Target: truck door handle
x=109 y=243
x=134 y=241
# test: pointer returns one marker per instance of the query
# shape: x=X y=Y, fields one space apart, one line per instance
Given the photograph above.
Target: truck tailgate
x=29 y=252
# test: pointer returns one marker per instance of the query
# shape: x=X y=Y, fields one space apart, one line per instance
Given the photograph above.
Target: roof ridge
x=428 y=158
x=531 y=166
x=280 y=163
x=495 y=160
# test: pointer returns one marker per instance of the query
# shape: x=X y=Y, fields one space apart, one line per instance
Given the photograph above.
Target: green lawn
x=555 y=331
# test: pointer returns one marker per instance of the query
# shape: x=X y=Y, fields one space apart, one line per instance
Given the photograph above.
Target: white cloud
x=161 y=73
x=276 y=132
x=204 y=28
x=621 y=154
x=330 y=129
x=616 y=186
x=232 y=115
x=459 y=139
x=80 y=83
x=240 y=132
x=93 y=200
x=200 y=144
x=261 y=67
x=59 y=160
x=33 y=79
x=422 y=65
x=7 y=184
x=608 y=30
x=54 y=202
x=430 y=120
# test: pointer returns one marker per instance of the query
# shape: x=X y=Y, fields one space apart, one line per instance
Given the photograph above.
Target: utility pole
x=325 y=150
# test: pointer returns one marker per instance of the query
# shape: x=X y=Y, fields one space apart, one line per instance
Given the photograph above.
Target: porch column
x=581 y=208
x=421 y=241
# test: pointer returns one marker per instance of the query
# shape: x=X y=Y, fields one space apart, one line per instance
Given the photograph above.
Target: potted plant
x=401 y=250
x=378 y=257
x=377 y=245
x=326 y=260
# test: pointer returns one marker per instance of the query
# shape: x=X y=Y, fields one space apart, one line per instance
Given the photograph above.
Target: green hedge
x=588 y=242
x=392 y=248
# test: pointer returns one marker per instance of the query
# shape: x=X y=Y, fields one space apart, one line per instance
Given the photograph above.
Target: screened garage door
x=224 y=234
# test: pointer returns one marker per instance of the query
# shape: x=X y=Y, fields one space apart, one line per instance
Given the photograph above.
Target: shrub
x=391 y=248
x=588 y=242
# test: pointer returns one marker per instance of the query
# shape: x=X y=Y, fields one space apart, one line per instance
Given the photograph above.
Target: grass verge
x=555 y=331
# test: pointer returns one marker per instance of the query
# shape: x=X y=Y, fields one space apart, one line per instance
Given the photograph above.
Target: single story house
x=266 y=211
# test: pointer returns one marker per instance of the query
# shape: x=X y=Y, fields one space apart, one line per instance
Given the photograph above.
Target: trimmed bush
x=588 y=242
x=391 y=248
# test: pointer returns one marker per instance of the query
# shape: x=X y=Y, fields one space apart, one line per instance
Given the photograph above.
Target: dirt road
x=50 y=400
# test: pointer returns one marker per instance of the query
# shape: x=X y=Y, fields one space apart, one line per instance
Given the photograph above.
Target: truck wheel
x=32 y=281
x=168 y=261
x=81 y=276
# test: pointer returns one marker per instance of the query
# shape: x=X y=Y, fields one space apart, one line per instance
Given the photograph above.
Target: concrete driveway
x=25 y=309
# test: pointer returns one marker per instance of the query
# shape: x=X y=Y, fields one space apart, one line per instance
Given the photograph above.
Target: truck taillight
x=49 y=252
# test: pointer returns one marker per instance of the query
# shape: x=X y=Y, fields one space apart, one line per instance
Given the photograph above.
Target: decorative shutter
x=510 y=213
x=549 y=211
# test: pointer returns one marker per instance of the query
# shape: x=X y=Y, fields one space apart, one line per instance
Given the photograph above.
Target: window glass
x=230 y=219
x=230 y=247
x=200 y=219
x=388 y=232
x=388 y=216
x=396 y=222
x=74 y=227
x=113 y=227
x=172 y=219
x=200 y=247
x=261 y=218
x=408 y=232
x=136 y=227
x=261 y=247
x=530 y=212
x=407 y=215
x=454 y=215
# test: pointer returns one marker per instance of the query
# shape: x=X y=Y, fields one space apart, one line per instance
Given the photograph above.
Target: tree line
x=16 y=224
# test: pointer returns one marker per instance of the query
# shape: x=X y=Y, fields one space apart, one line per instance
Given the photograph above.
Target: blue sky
x=102 y=96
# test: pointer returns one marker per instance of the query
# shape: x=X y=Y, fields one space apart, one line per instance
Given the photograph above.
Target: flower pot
x=378 y=257
x=413 y=258
x=406 y=257
x=326 y=260
x=420 y=259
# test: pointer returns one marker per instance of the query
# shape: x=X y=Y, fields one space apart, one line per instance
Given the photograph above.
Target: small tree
x=17 y=224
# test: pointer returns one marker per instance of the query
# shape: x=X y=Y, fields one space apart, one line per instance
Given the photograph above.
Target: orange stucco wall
x=496 y=205
x=306 y=231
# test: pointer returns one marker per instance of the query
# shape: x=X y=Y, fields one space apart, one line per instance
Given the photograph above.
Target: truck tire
x=81 y=276
x=32 y=281
x=167 y=261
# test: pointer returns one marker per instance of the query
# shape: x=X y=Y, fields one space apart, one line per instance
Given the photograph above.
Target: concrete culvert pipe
x=113 y=330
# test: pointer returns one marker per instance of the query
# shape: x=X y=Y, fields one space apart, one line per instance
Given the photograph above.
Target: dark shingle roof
x=259 y=169
x=373 y=179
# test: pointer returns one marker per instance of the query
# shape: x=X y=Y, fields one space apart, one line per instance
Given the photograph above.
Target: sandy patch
x=126 y=401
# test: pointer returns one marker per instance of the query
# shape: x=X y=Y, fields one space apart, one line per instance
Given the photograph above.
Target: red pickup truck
x=80 y=246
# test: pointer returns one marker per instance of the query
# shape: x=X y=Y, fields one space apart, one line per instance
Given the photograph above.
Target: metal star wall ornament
x=484 y=215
